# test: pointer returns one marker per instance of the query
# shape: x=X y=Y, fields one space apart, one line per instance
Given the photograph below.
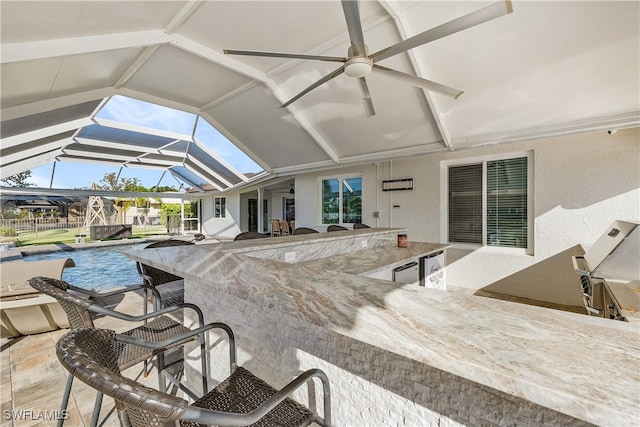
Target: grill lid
x=616 y=254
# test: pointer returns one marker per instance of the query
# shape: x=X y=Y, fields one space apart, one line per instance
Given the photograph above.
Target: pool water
x=96 y=268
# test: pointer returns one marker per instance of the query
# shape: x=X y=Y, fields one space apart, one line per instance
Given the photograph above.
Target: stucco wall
x=225 y=227
x=581 y=184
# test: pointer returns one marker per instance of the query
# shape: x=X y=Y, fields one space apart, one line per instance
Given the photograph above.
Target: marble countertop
x=375 y=259
x=253 y=245
x=582 y=366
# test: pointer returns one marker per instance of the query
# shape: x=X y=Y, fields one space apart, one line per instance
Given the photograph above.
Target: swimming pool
x=96 y=268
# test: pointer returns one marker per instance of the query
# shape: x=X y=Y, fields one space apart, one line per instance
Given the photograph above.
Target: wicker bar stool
x=359 y=225
x=304 y=230
x=334 y=227
x=174 y=292
x=143 y=345
x=242 y=399
x=250 y=235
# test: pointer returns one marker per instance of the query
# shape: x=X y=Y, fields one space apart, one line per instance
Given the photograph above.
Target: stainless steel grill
x=610 y=273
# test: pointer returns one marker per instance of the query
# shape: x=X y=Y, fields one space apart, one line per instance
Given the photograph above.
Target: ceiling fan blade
x=352 y=16
x=417 y=81
x=320 y=82
x=472 y=19
x=284 y=55
x=366 y=98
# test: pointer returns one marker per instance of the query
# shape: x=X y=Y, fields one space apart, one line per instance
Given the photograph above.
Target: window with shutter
x=488 y=203
x=465 y=203
x=507 y=203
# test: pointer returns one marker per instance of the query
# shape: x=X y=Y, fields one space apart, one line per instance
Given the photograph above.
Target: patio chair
x=334 y=227
x=284 y=228
x=172 y=291
x=241 y=399
x=275 y=227
x=248 y=235
x=304 y=230
x=160 y=328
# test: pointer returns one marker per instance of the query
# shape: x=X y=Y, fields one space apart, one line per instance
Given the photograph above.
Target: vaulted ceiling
x=549 y=68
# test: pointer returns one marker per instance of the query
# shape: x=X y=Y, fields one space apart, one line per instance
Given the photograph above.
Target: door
x=253 y=215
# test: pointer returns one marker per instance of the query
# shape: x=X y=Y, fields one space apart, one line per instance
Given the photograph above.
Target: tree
x=109 y=182
x=18 y=180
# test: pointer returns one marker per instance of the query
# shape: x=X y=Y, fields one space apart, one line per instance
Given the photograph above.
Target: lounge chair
x=24 y=310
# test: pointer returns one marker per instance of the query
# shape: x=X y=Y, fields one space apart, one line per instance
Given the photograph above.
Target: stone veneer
x=402 y=355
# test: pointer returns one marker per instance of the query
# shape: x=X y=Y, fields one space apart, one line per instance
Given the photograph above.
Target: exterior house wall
x=229 y=226
x=308 y=195
x=276 y=203
x=581 y=184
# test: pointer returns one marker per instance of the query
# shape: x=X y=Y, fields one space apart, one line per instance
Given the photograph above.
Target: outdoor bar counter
x=404 y=354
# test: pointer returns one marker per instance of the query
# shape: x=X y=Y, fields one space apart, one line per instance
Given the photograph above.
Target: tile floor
x=33 y=380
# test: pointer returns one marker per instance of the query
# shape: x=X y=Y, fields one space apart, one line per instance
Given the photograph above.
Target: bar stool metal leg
x=65 y=400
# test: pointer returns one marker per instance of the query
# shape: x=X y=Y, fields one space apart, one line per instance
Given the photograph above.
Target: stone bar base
x=369 y=385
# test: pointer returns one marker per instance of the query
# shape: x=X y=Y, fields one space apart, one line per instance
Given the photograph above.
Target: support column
x=260 y=210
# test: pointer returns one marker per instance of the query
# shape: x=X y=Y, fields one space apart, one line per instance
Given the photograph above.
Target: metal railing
x=42 y=230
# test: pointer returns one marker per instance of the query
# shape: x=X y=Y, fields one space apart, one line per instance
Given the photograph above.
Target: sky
x=128 y=110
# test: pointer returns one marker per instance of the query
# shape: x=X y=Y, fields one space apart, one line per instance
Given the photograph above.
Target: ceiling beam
x=40 y=49
x=164 y=150
x=28 y=164
x=219 y=159
x=198 y=169
x=208 y=170
x=30 y=152
x=13 y=141
x=234 y=65
x=87 y=193
x=182 y=16
x=31 y=108
x=143 y=130
x=216 y=57
x=629 y=119
x=232 y=138
x=144 y=56
x=188 y=181
x=401 y=25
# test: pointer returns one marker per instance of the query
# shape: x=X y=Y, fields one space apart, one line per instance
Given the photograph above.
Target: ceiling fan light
x=358 y=67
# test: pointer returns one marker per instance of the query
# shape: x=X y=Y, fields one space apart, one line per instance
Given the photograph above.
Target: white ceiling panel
x=527 y=70
x=275 y=135
x=176 y=75
x=29 y=81
x=45 y=20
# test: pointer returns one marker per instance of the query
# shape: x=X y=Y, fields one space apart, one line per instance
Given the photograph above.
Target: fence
x=42 y=230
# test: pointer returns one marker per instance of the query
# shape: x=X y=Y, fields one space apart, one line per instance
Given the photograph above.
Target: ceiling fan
x=359 y=63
